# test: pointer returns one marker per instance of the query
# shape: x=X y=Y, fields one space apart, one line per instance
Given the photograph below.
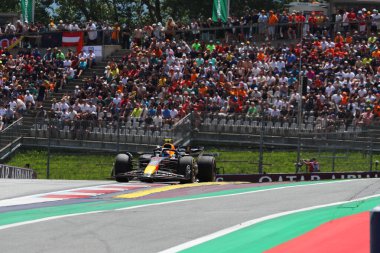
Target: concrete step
x=99 y=69
x=121 y=52
x=75 y=81
x=115 y=58
x=100 y=64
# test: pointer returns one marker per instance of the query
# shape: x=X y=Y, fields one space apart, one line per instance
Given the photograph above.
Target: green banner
x=27 y=8
x=220 y=10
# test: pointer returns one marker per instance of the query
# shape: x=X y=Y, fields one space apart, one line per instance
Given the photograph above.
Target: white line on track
x=187 y=200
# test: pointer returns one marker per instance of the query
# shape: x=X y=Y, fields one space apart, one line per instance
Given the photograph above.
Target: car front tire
x=122 y=164
x=187 y=167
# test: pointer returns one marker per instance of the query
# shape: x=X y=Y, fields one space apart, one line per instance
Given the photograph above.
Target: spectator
x=91 y=32
x=115 y=33
x=91 y=58
x=82 y=66
x=29 y=100
x=312 y=165
x=170 y=29
x=263 y=20
x=272 y=22
x=61 y=26
x=9 y=115
x=366 y=117
x=125 y=37
x=10 y=29
x=375 y=25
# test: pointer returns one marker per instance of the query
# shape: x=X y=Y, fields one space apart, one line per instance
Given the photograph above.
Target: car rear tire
x=123 y=163
x=206 y=169
x=187 y=168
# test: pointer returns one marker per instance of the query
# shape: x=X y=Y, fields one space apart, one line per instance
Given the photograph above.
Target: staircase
x=29 y=118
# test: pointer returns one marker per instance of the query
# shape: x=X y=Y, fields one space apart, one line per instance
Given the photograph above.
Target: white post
x=228 y=8
x=33 y=9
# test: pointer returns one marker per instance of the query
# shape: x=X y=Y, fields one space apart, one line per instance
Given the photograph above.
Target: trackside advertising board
x=268 y=178
x=16 y=173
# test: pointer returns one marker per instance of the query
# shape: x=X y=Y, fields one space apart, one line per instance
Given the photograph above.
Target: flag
x=220 y=10
x=27 y=8
x=72 y=39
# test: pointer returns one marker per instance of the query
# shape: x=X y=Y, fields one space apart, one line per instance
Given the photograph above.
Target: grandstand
x=232 y=86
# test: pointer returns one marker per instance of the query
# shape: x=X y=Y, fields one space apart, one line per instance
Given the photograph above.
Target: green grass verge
x=91 y=165
x=66 y=165
x=283 y=161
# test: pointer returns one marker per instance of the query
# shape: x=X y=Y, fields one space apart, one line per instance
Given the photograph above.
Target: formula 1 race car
x=166 y=163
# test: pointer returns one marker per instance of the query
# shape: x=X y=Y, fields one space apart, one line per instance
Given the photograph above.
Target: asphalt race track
x=158 y=227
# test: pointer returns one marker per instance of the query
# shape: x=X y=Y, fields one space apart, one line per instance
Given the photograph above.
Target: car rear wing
x=190 y=150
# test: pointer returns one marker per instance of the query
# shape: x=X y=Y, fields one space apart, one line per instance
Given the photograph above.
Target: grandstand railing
x=11 y=131
x=256 y=32
x=10 y=138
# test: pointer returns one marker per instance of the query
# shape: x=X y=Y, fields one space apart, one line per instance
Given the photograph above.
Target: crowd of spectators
x=163 y=77
x=29 y=77
x=254 y=24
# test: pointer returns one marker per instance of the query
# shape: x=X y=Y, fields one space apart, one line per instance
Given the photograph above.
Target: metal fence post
x=370 y=155
x=118 y=134
x=299 y=110
x=375 y=230
x=261 y=148
x=48 y=151
x=333 y=160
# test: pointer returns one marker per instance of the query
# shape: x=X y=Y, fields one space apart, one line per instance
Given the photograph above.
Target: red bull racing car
x=166 y=163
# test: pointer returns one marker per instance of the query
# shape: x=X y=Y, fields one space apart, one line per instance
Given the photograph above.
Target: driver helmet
x=169 y=146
